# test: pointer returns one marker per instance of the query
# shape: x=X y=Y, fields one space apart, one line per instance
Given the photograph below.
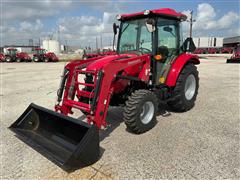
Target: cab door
x=168 y=41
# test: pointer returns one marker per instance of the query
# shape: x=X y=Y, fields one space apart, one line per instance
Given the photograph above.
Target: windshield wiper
x=125 y=28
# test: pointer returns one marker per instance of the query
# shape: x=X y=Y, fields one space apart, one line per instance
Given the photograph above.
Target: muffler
x=68 y=142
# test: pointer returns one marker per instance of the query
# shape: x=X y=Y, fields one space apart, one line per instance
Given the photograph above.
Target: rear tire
x=186 y=89
x=140 y=111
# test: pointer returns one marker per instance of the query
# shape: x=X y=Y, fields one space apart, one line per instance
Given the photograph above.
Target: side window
x=129 y=37
x=167 y=33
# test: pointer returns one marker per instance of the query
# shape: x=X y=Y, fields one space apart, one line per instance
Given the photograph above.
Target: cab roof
x=167 y=12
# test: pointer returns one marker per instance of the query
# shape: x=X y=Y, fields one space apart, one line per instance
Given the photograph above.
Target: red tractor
x=2 y=57
x=156 y=67
x=235 y=58
x=13 y=55
x=212 y=50
x=227 y=50
x=199 y=51
x=41 y=55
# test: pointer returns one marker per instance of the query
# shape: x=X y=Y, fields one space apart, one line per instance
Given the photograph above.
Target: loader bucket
x=64 y=140
x=233 y=61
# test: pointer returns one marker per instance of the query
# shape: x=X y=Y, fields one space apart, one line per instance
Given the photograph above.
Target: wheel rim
x=190 y=87
x=147 y=112
x=8 y=59
x=36 y=59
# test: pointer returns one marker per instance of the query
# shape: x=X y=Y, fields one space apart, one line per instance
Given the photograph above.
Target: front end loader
x=150 y=65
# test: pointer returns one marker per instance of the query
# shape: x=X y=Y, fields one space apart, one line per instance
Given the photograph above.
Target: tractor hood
x=23 y=55
x=99 y=63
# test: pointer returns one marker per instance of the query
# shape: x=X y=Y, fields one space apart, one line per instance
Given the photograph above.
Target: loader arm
x=103 y=86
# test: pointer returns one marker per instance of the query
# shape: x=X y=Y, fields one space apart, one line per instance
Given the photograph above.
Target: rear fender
x=177 y=67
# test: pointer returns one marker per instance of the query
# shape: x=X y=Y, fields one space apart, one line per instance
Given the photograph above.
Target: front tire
x=35 y=59
x=18 y=60
x=8 y=59
x=186 y=89
x=140 y=111
x=46 y=60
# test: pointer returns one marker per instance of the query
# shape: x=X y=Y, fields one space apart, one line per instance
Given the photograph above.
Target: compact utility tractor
x=151 y=64
x=13 y=55
x=41 y=55
x=235 y=58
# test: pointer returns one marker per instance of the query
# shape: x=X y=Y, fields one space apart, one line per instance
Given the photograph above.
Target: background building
x=208 y=41
x=27 y=49
x=51 y=46
x=231 y=41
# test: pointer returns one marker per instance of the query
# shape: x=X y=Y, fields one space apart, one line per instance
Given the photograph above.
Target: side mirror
x=188 y=45
x=150 y=24
x=115 y=27
x=167 y=29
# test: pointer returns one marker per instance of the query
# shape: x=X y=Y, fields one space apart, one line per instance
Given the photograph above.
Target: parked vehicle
x=235 y=58
x=212 y=50
x=200 y=51
x=13 y=55
x=150 y=71
x=41 y=55
x=227 y=50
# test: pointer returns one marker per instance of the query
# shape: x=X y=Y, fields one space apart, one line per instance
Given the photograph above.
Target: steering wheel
x=144 y=49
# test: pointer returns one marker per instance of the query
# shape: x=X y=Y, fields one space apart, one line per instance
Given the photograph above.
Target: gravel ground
x=200 y=144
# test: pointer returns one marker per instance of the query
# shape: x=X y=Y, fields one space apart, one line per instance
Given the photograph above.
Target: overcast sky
x=80 y=22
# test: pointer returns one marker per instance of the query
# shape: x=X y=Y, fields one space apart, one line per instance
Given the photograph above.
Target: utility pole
x=101 y=42
x=191 y=23
x=96 y=44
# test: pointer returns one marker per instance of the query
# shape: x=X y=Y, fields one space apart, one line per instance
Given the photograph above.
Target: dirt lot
x=200 y=144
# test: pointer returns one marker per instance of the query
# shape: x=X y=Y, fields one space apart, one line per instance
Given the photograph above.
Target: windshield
x=134 y=36
x=41 y=51
x=12 y=51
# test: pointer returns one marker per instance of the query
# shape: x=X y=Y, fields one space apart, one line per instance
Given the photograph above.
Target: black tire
x=46 y=59
x=18 y=60
x=35 y=59
x=179 y=102
x=8 y=59
x=134 y=108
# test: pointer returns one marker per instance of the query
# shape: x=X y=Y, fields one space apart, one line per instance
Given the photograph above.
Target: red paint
x=228 y=50
x=2 y=57
x=130 y=66
x=199 y=51
x=163 y=11
x=212 y=50
x=178 y=65
x=104 y=53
